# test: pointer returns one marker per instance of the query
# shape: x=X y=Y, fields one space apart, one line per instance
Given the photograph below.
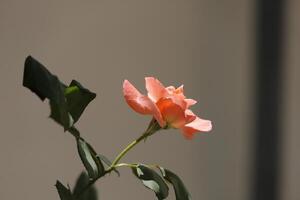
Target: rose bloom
x=167 y=105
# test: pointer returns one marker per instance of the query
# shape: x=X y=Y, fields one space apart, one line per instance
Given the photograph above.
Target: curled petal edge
x=197 y=125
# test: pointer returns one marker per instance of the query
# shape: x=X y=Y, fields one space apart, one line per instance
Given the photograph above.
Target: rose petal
x=179 y=100
x=198 y=125
x=141 y=103
x=179 y=90
x=189 y=116
x=172 y=113
x=170 y=89
x=188 y=133
x=155 y=89
x=190 y=102
x=177 y=96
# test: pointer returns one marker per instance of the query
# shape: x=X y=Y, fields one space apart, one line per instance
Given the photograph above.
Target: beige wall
x=205 y=44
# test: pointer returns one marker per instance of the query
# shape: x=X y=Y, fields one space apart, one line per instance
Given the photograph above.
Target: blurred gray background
x=207 y=45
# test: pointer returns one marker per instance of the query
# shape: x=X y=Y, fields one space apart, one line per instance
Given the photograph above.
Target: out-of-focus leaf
x=152 y=180
x=181 y=191
x=64 y=193
x=66 y=103
x=81 y=183
x=89 y=159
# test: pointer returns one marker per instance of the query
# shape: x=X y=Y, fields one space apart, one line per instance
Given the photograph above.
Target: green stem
x=125 y=165
x=132 y=165
x=114 y=163
x=153 y=127
x=123 y=153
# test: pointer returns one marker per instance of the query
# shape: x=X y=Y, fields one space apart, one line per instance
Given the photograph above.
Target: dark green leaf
x=74 y=132
x=78 y=98
x=40 y=81
x=46 y=85
x=107 y=162
x=99 y=163
x=152 y=180
x=104 y=159
x=181 y=191
x=60 y=114
x=66 y=103
x=89 y=159
x=64 y=193
x=81 y=183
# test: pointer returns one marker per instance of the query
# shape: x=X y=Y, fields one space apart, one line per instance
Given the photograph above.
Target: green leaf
x=66 y=103
x=100 y=166
x=64 y=193
x=107 y=162
x=81 y=183
x=71 y=89
x=60 y=115
x=46 y=85
x=74 y=132
x=181 y=191
x=78 y=98
x=89 y=159
x=152 y=180
x=40 y=81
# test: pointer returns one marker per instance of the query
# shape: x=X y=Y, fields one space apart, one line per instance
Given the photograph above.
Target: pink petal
x=179 y=90
x=141 y=103
x=188 y=134
x=190 y=102
x=172 y=113
x=170 y=89
x=179 y=100
x=155 y=89
x=177 y=96
x=198 y=125
x=189 y=116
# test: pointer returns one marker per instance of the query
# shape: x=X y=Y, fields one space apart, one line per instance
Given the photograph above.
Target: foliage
x=67 y=104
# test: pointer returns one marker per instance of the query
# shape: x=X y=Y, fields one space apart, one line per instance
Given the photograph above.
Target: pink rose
x=167 y=105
